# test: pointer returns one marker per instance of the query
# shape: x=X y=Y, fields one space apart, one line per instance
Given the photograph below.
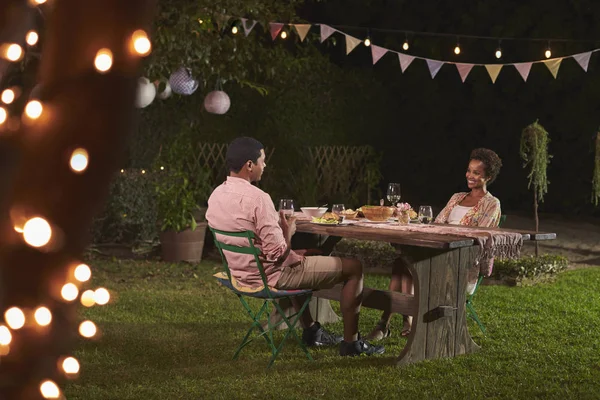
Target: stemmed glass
x=338 y=210
x=425 y=214
x=287 y=206
x=393 y=193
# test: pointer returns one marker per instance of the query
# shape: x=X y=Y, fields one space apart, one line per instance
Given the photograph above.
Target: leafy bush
x=130 y=214
x=372 y=254
x=530 y=269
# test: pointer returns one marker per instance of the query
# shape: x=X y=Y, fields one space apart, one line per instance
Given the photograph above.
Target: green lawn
x=170 y=331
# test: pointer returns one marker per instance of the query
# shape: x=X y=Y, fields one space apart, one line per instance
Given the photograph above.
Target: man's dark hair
x=490 y=160
x=242 y=150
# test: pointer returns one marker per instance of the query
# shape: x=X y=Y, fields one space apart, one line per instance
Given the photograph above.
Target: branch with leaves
x=534 y=152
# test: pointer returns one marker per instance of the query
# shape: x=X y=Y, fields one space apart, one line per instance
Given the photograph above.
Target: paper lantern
x=182 y=81
x=217 y=102
x=145 y=93
x=163 y=90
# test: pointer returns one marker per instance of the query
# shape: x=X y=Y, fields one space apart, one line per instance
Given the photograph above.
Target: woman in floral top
x=474 y=208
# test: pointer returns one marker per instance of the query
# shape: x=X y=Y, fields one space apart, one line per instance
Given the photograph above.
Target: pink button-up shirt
x=235 y=206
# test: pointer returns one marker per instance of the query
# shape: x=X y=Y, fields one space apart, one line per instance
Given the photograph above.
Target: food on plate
x=413 y=214
x=327 y=218
x=349 y=213
x=377 y=213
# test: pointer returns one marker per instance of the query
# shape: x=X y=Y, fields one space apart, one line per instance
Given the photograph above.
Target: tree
x=534 y=152
x=596 y=178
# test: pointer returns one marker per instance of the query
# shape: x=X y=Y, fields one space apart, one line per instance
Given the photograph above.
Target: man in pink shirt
x=237 y=205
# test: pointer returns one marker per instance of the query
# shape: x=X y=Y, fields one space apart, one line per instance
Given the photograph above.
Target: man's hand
x=288 y=226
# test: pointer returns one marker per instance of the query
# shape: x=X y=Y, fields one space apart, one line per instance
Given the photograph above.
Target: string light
x=284 y=35
x=87 y=298
x=38 y=2
x=15 y=318
x=37 y=232
x=405 y=45
x=43 y=316
x=234 y=30
x=49 y=390
x=103 y=61
x=79 y=160
x=13 y=52
x=69 y=292
x=141 y=43
x=498 y=53
x=101 y=296
x=70 y=365
x=367 y=42
x=87 y=329
x=3 y=115
x=5 y=336
x=162 y=168
x=34 y=109
x=143 y=171
x=8 y=96
x=457 y=50
x=548 y=53
x=31 y=38
x=83 y=273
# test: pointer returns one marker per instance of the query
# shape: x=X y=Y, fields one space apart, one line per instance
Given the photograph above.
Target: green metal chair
x=269 y=295
x=470 y=309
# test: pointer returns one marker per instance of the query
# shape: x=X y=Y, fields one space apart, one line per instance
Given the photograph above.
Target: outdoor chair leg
x=473 y=314
x=256 y=324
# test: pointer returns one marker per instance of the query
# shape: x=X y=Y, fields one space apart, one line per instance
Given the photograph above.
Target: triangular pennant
x=523 y=69
x=405 y=61
x=493 y=70
x=583 y=59
x=248 y=29
x=221 y=20
x=434 y=67
x=275 y=28
x=463 y=70
x=351 y=43
x=553 y=65
x=326 y=31
x=302 y=30
x=377 y=52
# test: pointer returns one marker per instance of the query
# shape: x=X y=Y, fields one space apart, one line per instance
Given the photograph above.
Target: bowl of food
x=316 y=212
x=377 y=213
x=349 y=214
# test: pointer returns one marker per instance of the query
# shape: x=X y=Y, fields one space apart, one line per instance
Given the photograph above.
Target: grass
x=170 y=331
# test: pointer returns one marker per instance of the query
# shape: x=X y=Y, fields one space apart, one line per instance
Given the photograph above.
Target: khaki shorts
x=314 y=272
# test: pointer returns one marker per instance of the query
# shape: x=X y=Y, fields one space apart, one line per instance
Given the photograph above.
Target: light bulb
x=15 y=318
x=367 y=42
x=103 y=61
x=31 y=38
x=234 y=30
x=457 y=50
x=70 y=365
x=43 y=316
x=143 y=171
x=49 y=390
x=284 y=35
x=37 y=232
x=405 y=45
x=162 y=168
x=13 y=52
x=141 y=43
x=5 y=336
x=69 y=292
x=87 y=298
x=87 y=329
x=498 y=53
x=8 y=96
x=548 y=53
x=79 y=160
x=101 y=296
x=83 y=273
x=34 y=109
x=39 y=1
x=3 y=115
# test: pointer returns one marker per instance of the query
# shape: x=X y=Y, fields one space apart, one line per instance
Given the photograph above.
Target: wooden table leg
x=439 y=327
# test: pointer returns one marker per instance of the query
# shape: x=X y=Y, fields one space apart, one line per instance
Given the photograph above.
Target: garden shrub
x=530 y=269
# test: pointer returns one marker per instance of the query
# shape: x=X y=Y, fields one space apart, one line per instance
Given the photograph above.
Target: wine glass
x=425 y=214
x=393 y=193
x=338 y=210
x=287 y=206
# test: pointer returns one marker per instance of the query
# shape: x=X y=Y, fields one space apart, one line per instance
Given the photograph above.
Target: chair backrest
x=502 y=220
x=250 y=249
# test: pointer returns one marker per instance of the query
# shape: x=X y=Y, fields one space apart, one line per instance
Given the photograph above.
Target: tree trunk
x=537 y=219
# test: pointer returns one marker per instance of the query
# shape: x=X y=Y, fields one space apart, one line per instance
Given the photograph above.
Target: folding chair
x=470 y=309
x=269 y=295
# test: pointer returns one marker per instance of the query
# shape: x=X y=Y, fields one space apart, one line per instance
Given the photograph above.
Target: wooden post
x=537 y=219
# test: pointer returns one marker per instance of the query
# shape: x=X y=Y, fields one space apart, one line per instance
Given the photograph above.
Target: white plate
x=323 y=223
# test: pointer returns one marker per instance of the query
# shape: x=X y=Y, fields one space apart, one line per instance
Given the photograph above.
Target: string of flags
x=276 y=29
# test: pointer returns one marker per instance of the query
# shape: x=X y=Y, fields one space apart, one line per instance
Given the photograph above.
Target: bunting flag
x=583 y=59
x=221 y=20
x=463 y=70
x=405 y=61
x=434 y=67
x=523 y=69
x=553 y=65
x=275 y=28
x=493 y=70
x=326 y=31
x=302 y=30
x=247 y=29
x=377 y=52
x=351 y=43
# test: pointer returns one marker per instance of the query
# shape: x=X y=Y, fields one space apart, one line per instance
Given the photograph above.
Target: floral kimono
x=486 y=213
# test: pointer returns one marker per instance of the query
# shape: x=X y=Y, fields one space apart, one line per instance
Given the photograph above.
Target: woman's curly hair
x=490 y=160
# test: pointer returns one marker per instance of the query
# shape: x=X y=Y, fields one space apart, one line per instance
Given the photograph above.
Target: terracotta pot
x=186 y=245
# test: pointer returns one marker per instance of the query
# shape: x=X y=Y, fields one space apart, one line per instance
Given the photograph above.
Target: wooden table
x=439 y=264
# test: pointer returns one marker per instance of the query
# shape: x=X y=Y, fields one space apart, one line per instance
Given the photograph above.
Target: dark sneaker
x=317 y=336
x=358 y=348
